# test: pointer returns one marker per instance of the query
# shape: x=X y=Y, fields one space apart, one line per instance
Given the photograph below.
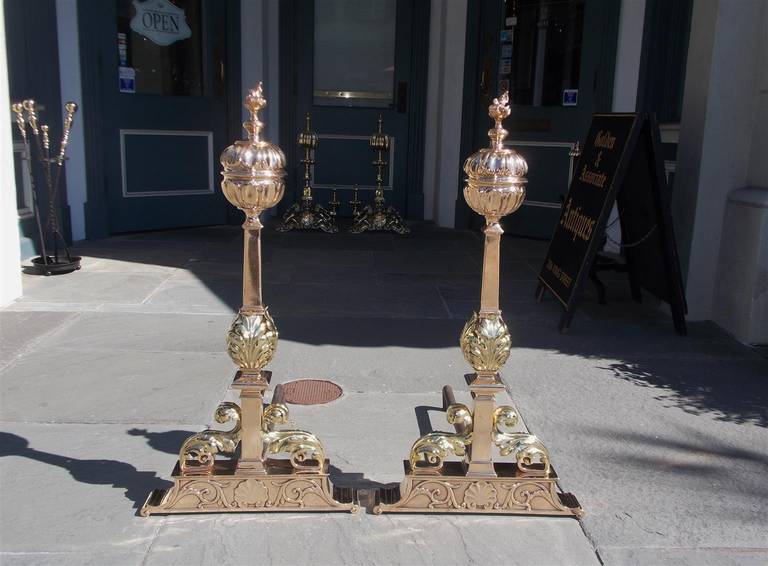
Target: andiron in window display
x=495 y=187
x=254 y=172
x=306 y=215
x=379 y=218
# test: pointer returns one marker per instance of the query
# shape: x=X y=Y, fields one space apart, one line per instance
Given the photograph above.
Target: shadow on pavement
x=120 y=475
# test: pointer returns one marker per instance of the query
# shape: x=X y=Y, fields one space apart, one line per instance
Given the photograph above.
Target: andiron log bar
x=495 y=187
x=254 y=172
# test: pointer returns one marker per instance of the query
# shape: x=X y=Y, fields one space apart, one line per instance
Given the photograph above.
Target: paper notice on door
x=127 y=79
x=570 y=97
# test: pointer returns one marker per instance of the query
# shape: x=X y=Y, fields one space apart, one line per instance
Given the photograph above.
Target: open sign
x=160 y=21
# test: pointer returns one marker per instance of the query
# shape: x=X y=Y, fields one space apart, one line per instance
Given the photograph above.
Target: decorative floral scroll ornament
x=197 y=454
x=252 y=340
x=304 y=448
x=531 y=454
x=429 y=452
x=486 y=343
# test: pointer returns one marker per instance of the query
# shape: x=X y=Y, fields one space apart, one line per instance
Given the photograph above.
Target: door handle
x=402 y=97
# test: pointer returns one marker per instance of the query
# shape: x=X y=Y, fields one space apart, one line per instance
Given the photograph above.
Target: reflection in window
x=174 y=69
x=354 y=52
x=540 y=50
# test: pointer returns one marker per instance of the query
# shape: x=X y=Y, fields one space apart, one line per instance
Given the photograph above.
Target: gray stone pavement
x=103 y=373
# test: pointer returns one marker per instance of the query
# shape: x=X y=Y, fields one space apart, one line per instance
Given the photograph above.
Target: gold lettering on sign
x=559 y=274
x=576 y=222
x=592 y=177
x=605 y=140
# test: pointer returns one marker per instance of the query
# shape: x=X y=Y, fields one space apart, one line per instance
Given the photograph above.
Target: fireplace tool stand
x=495 y=187
x=254 y=172
x=306 y=215
x=380 y=217
x=52 y=166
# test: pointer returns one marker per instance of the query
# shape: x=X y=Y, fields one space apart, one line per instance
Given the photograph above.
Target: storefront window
x=541 y=51
x=354 y=52
x=159 y=45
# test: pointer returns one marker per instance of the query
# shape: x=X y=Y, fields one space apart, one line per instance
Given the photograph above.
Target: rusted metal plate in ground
x=310 y=391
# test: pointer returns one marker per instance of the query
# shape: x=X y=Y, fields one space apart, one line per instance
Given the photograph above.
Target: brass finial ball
x=495 y=183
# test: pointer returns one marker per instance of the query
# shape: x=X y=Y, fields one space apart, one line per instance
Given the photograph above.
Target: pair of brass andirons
x=306 y=215
x=255 y=482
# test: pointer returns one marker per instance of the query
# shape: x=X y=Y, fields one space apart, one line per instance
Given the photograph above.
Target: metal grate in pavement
x=310 y=391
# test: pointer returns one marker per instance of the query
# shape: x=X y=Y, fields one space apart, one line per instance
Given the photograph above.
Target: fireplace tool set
x=306 y=215
x=286 y=470
x=52 y=165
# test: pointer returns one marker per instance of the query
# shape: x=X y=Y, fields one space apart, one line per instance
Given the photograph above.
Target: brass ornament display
x=254 y=172
x=306 y=214
x=380 y=217
x=495 y=187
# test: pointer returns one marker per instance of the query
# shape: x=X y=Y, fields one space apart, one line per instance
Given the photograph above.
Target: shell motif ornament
x=252 y=340
x=486 y=343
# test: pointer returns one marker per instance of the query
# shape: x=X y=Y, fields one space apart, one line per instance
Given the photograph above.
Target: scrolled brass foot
x=197 y=454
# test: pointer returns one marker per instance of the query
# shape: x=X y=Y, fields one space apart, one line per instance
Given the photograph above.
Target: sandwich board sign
x=620 y=164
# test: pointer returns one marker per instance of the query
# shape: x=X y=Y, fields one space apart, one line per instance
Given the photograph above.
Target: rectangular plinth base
x=227 y=491
x=510 y=493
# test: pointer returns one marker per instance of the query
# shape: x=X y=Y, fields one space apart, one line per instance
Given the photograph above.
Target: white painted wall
x=757 y=174
x=716 y=129
x=628 y=53
x=69 y=73
x=629 y=50
x=10 y=268
x=445 y=91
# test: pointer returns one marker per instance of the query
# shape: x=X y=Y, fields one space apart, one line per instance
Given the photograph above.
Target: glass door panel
x=354 y=52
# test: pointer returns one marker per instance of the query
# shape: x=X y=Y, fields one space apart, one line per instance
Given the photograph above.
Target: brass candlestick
x=306 y=215
x=495 y=187
x=380 y=218
x=254 y=172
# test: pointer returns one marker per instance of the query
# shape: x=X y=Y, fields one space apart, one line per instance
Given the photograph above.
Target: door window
x=354 y=52
x=540 y=55
x=160 y=47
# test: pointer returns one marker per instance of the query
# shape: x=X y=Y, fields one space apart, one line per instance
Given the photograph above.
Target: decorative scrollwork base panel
x=226 y=491
x=511 y=493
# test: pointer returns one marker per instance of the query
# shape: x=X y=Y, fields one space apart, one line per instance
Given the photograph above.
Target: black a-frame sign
x=620 y=163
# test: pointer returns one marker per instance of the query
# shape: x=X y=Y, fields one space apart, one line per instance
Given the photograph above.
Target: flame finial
x=254 y=102
x=499 y=110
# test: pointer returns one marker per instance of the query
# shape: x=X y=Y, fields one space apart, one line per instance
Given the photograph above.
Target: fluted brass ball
x=495 y=182
x=253 y=169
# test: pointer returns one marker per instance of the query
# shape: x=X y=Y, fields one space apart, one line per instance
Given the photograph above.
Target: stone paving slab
x=108 y=386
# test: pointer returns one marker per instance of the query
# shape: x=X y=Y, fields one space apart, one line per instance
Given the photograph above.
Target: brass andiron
x=254 y=172
x=355 y=202
x=495 y=187
x=380 y=218
x=306 y=215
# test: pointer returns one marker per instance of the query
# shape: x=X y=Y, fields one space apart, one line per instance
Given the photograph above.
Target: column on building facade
x=717 y=134
x=10 y=275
